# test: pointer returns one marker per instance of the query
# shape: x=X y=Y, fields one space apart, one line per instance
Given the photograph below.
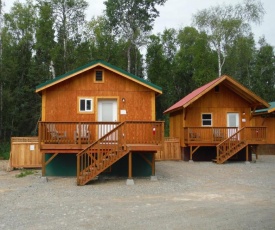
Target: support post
x=246 y=155
x=154 y=164
x=130 y=166
x=130 y=180
x=43 y=163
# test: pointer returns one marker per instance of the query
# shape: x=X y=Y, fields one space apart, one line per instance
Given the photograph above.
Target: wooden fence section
x=171 y=150
x=25 y=153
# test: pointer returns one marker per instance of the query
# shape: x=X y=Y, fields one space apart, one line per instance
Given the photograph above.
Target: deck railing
x=207 y=134
x=136 y=132
x=218 y=134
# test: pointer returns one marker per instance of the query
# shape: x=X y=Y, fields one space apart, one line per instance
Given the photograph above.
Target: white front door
x=107 y=112
x=232 y=121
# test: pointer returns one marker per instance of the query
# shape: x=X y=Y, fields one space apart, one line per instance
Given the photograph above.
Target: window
x=207 y=119
x=217 y=89
x=98 y=76
x=86 y=105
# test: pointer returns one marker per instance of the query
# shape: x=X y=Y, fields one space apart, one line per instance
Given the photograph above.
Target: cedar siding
x=76 y=120
x=220 y=98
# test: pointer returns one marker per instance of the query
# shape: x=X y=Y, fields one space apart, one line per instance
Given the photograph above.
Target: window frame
x=86 y=99
x=205 y=119
x=95 y=76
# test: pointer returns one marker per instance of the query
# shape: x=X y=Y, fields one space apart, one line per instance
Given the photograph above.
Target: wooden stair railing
x=230 y=146
x=101 y=154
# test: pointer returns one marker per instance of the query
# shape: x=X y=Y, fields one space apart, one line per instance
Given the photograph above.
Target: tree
x=1 y=83
x=69 y=23
x=44 y=46
x=159 y=58
x=194 y=62
x=264 y=72
x=132 y=21
x=240 y=60
x=223 y=24
x=18 y=98
x=104 y=44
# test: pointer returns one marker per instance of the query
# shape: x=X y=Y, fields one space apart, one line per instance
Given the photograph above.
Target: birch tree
x=69 y=22
x=224 y=23
x=132 y=20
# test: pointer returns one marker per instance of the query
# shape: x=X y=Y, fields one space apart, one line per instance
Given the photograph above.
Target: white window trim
x=206 y=119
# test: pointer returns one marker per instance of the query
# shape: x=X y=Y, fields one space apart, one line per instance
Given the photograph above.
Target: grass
x=24 y=172
x=4 y=150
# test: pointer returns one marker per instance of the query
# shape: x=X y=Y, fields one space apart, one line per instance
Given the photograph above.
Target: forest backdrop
x=42 y=39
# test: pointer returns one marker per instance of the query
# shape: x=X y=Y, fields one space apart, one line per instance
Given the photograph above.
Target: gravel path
x=199 y=195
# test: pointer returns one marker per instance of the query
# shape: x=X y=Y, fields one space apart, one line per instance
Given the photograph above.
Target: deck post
x=246 y=155
x=153 y=164
x=130 y=166
x=43 y=163
x=130 y=180
x=191 y=153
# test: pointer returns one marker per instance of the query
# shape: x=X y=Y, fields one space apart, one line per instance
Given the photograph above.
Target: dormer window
x=99 y=78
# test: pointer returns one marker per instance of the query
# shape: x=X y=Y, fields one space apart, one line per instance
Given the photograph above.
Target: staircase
x=230 y=146
x=100 y=155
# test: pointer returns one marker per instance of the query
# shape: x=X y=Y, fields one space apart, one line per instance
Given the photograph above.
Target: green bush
x=4 y=150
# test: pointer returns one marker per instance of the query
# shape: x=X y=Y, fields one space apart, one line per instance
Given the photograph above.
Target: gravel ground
x=199 y=195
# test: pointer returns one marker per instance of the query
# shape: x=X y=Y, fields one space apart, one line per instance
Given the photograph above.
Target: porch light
x=123 y=100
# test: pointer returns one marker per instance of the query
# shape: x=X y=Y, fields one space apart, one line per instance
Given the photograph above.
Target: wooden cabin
x=94 y=117
x=217 y=121
x=266 y=117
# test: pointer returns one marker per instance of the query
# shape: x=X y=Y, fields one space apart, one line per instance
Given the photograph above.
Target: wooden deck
x=228 y=141
x=212 y=136
x=98 y=145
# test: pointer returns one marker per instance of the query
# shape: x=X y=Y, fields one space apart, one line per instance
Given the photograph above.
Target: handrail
x=97 y=157
x=103 y=152
x=240 y=139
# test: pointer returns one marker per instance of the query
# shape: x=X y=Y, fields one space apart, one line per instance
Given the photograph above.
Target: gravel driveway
x=199 y=195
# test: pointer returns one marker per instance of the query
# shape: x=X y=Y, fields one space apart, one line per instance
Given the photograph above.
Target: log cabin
x=218 y=122
x=98 y=118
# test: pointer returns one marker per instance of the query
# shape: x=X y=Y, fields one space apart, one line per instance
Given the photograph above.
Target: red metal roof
x=231 y=83
x=191 y=96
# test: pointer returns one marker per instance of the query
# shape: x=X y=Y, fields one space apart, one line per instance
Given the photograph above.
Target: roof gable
x=94 y=64
x=229 y=82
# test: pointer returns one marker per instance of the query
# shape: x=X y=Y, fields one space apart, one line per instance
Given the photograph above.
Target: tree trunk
x=219 y=60
x=129 y=58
